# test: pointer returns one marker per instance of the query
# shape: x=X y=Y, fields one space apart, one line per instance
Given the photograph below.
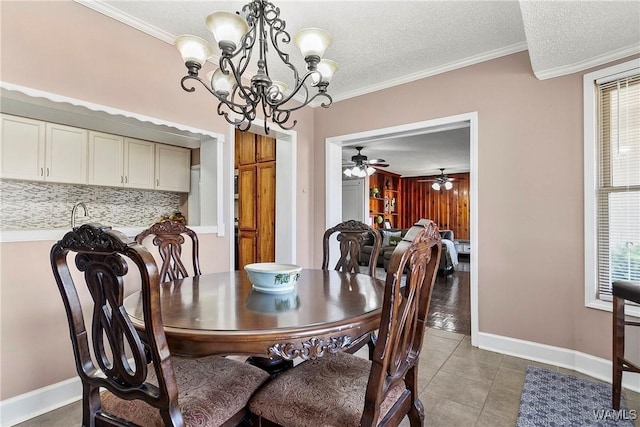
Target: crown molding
x=487 y=56
x=590 y=63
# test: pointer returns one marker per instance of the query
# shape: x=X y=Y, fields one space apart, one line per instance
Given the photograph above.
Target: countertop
x=8 y=236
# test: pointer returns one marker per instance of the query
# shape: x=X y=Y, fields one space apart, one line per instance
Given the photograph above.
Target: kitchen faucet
x=73 y=213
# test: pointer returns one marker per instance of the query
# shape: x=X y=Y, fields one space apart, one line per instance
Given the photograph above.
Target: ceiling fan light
x=228 y=29
x=347 y=172
x=312 y=42
x=435 y=186
x=370 y=171
x=448 y=185
x=193 y=49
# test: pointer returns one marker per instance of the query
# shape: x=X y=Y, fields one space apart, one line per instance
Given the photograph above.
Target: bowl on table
x=273 y=277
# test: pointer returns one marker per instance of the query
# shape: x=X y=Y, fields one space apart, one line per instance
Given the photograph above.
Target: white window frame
x=590 y=180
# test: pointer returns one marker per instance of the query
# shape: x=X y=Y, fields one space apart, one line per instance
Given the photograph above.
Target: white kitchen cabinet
x=106 y=159
x=120 y=162
x=40 y=151
x=173 y=168
x=66 y=154
x=22 y=148
x=139 y=165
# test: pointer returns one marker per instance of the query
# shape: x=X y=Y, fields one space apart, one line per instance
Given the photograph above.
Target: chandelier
x=237 y=34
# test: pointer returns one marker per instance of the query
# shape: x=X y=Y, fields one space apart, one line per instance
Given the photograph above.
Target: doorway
x=333 y=183
x=286 y=190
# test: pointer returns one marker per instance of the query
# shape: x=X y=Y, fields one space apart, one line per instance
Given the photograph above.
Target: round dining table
x=221 y=314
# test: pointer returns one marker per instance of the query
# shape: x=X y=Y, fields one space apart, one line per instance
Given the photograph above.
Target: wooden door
x=256 y=170
x=266 y=212
x=245 y=148
x=247 y=224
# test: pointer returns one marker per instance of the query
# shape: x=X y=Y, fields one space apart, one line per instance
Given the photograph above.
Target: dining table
x=221 y=314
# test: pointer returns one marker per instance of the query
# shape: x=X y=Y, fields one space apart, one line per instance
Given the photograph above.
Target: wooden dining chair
x=144 y=385
x=351 y=235
x=169 y=236
x=342 y=389
x=622 y=290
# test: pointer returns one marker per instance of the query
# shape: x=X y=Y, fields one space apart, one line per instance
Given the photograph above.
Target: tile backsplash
x=28 y=205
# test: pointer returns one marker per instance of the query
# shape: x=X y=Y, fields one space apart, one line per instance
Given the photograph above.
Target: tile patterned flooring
x=460 y=386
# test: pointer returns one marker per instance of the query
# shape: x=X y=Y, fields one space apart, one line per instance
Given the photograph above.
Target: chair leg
x=618 y=350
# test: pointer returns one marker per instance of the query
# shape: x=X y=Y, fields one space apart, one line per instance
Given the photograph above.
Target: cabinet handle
x=41 y=171
x=126 y=179
x=121 y=180
x=157 y=182
x=47 y=171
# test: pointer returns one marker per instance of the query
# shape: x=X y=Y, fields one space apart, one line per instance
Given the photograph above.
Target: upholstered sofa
x=390 y=238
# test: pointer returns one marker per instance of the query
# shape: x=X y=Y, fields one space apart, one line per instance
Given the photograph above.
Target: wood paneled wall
x=448 y=208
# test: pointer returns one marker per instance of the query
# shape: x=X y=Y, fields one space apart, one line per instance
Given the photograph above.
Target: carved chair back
x=403 y=321
x=168 y=236
x=104 y=349
x=351 y=235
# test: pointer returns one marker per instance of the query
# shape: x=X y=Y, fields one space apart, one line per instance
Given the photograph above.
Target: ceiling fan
x=439 y=181
x=360 y=166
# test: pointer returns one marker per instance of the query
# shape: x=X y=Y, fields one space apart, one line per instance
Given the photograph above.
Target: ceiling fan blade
x=376 y=161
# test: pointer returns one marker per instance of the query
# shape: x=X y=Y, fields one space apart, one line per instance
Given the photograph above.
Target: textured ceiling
x=381 y=44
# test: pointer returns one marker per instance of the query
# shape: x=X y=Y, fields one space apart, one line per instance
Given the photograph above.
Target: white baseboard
x=570 y=359
x=37 y=402
x=34 y=403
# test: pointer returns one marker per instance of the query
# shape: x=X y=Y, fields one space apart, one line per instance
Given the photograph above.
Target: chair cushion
x=627 y=290
x=210 y=391
x=328 y=391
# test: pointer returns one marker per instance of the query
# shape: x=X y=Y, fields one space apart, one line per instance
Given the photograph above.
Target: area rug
x=553 y=399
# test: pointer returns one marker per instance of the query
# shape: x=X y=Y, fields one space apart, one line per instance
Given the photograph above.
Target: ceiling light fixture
x=236 y=35
x=359 y=171
x=440 y=181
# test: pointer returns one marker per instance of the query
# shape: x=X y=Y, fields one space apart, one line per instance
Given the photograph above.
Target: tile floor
x=460 y=386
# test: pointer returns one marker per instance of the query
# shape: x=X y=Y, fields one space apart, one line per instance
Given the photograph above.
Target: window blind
x=618 y=192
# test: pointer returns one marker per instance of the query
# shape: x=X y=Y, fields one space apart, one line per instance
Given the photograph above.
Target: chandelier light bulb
x=448 y=185
x=435 y=186
x=326 y=68
x=193 y=49
x=370 y=171
x=221 y=83
x=228 y=29
x=347 y=172
x=312 y=42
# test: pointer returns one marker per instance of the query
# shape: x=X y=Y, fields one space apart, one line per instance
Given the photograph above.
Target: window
x=612 y=180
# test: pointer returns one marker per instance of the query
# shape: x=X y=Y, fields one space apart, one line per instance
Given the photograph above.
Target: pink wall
x=530 y=184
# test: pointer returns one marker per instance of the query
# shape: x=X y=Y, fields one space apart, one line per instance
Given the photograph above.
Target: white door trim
x=333 y=183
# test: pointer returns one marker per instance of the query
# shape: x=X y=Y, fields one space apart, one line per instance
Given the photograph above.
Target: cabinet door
x=106 y=153
x=22 y=148
x=247 y=242
x=66 y=154
x=247 y=198
x=266 y=211
x=265 y=148
x=139 y=164
x=173 y=166
x=245 y=147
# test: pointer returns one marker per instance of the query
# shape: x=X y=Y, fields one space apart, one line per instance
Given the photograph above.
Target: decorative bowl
x=273 y=277
x=273 y=302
